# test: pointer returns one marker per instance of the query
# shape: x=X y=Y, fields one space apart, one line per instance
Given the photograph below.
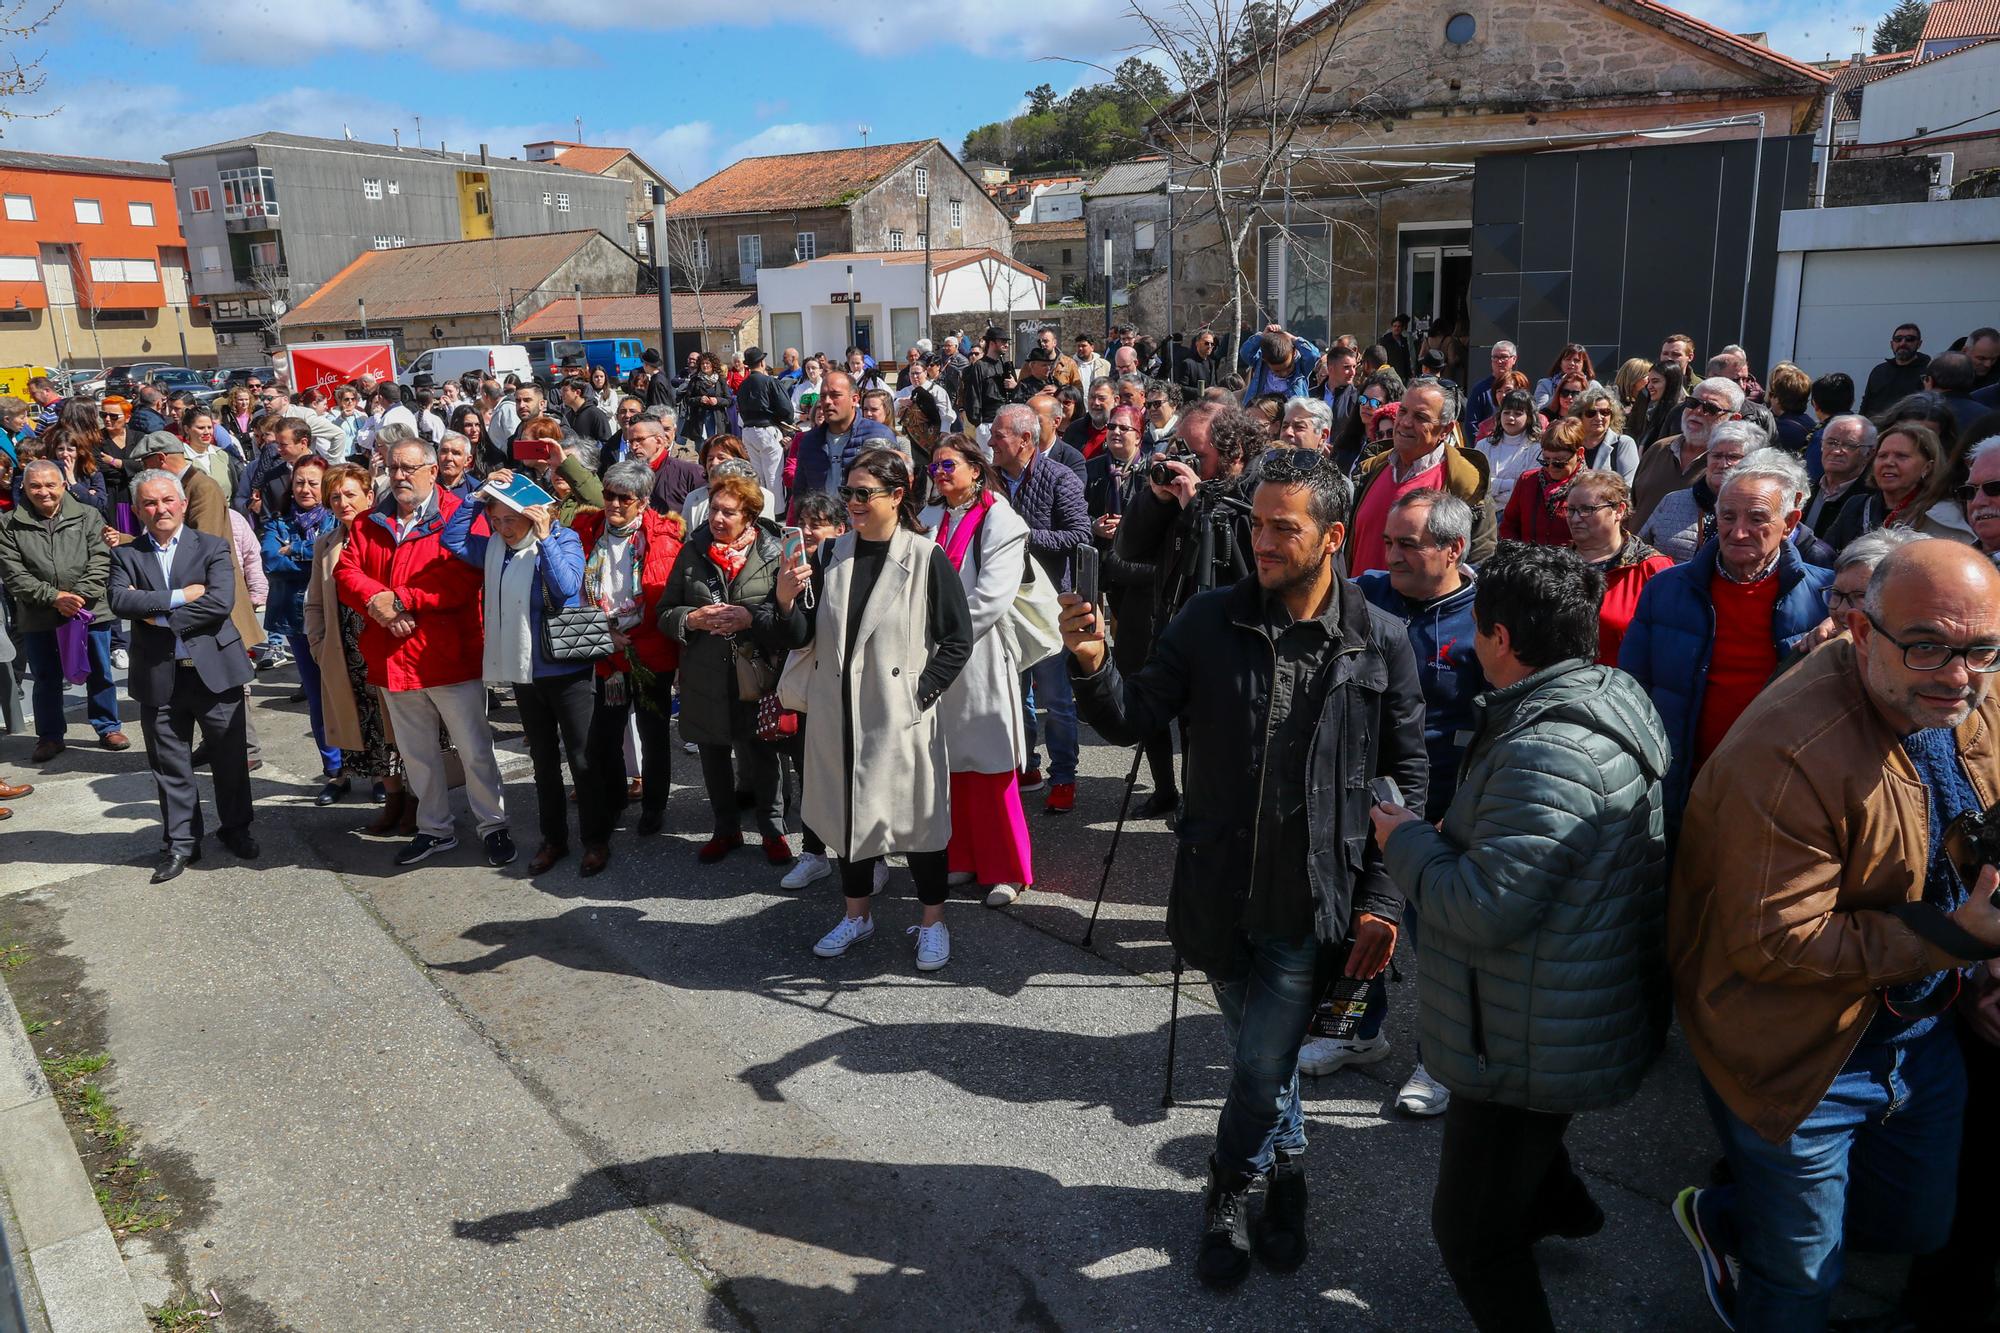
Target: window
x=87 y=210
x=1460 y=29
x=1066 y=259
x=895 y=240
x=562 y=203
x=701 y=251
x=200 y=200
x=923 y=182
x=956 y=212
x=642 y=240
x=211 y=259
x=20 y=208
x=547 y=198
x=395 y=187
x=1142 y=236
x=123 y=270
x=749 y=256
x=391 y=242
x=923 y=240
x=249 y=192
x=140 y=214
x=371 y=188
x=19 y=268
x=264 y=254
x=123 y=316
x=807 y=245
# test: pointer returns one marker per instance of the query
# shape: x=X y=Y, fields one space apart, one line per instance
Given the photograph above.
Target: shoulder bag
x=574 y=634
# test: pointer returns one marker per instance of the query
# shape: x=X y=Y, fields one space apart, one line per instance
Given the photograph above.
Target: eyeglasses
x=1904 y=338
x=1290 y=465
x=1989 y=489
x=1568 y=393
x=620 y=497
x=1706 y=408
x=1843 y=446
x=1926 y=656
x=1835 y=598
x=1122 y=429
x=408 y=467
x=1548 y=459
x=862 y=494
x=114 y=416
x=1369 y=400
x=1586 y=510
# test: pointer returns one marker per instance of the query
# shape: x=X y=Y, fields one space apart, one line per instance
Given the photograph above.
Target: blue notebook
x=520 y=493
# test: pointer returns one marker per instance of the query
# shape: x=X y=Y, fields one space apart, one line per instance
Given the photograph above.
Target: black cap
x=754 y=357
x=994 y=334
x=651 y=356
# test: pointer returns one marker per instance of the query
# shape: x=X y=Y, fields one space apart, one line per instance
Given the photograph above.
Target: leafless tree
x=688 y=266
x=272 y=286
x=21 y=73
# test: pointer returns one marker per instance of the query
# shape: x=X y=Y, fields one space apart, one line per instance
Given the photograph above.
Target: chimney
x=399 y=138
x=482 y=155
x=1858 y=58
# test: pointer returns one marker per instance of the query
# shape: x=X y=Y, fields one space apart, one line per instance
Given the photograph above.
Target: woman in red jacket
x=1535 y=511
x=1599 y=500
x=630 y=551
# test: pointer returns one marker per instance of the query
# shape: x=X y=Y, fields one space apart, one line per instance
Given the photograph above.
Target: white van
x=448 y=363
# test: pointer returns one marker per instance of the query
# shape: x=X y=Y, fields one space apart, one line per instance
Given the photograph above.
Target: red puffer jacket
x=663 y=535
x=441 y=592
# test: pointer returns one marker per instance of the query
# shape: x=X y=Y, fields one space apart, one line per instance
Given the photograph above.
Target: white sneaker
x=958 y=878
x=1422 y=1095
x=1323 y=1055
x=881 y=878
x=120 y=660
x=933 y=946
x=1002 y=895
x=810 y=867
x=851 y=930
x=690 y=747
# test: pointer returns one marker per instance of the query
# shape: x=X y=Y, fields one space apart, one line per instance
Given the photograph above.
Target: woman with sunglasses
x=1354 y=437
x=1598 y=500
x=1572 y=362
x=1605 y=444
x=1537 y=507
x=986 y=542
x=887 y=619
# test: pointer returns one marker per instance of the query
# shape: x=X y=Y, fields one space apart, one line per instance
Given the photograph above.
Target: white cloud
x=293 y=32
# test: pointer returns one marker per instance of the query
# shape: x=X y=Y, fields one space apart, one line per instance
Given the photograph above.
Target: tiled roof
x=83 y=166
x=448 y=278
x=1072 y=230
x=1849 y=79
x=942 y=261
x=1143 y=176
x=590 y=158
x=794 y=180
x=1961 y=18
x=606 y=315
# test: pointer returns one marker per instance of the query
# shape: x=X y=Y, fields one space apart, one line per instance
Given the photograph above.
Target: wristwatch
x=397 y=602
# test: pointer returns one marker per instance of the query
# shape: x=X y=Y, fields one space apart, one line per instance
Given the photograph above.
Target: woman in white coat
x=987 y=543
x=889 y=632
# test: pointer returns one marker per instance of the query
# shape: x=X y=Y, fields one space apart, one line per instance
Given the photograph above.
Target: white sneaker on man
x=958 y=879
x=1422 y=1095
x=933 y=946
x=809 y=867
x=851 y=931
x=1003 y=895
x=1323 y=1055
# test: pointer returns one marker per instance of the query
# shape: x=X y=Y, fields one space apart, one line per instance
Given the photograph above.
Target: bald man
x=1818 y=934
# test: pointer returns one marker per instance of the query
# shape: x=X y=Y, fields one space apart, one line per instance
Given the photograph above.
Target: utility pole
x=362 y=303
x=578 y=288
x=663 y=273
x=849 y=294
x=1107 y=289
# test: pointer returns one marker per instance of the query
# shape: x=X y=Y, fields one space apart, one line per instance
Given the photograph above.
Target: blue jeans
x=1264 y=1014
x=1050 y=679
x=101 y=697
x=1873 y=1167
x=329 y=755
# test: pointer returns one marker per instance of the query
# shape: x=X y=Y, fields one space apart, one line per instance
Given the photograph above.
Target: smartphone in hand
x=1086 y=573
x=1385 y=791
x=795 y=547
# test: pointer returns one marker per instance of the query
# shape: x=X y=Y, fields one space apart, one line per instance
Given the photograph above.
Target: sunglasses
x=1602 y=413
x=1549 y=460
x=862 y=494
x=1568 y=393
x=1369 y=400
x=620 y=497
x=1989 y=489
x=944 y=467
x=1289 y=465
x=1706 y=408
x=1905 y=338
x=114 y=416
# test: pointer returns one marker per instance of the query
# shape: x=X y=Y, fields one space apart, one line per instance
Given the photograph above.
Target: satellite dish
x=279 y=307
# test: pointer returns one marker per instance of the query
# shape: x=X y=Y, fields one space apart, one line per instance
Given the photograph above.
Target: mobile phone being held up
x=1086 y=574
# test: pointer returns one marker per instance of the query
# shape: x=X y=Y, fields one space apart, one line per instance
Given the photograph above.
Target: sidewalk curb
x=73 y=1264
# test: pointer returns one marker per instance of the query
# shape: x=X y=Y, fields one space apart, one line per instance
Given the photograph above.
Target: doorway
x=1436 y=273
x=864 y=334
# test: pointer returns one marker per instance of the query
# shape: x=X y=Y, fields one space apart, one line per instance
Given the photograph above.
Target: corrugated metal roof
x=1961 y=18
x=86 y=166
x=1143 y=176
x=606 y=315
x=279 y=139
x=793 y=180
x=448 y=278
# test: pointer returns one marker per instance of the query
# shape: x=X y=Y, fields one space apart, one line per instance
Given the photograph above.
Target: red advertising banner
x=330 y=364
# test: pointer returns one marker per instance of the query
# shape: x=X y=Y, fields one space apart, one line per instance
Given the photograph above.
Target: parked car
x=619 y=356
x=176 y=378
x=448 y=363
x=543 y=357
x=125 y=380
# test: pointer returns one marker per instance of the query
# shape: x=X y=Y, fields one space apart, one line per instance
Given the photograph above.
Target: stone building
x=623 y=164
x=1057 y=249
x=1127 y=206
x=1378 y=215
x=792 y=208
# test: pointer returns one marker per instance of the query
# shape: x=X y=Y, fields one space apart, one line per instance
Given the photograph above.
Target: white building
x=805 y=304
x=1949 y=97
x=1058 y=202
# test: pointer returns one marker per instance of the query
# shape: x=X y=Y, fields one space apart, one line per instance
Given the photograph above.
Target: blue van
x=619 y=356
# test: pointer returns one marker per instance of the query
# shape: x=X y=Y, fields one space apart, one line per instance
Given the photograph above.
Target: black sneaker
x=424 y=845
x=499 y=848
x=1224 y=1259
x=1280 y=1230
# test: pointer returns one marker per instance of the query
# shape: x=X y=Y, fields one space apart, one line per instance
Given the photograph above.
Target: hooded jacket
x=1441 y=634
x=1543 y=897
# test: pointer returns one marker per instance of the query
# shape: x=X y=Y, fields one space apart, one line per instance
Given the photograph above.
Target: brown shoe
x=9 y=792
x=5 y=813
x=391 y=815
x=114 y=740
x=595 y=858
x=45 y=751
x=635 y=789
x=546 y=858
x=407 y=824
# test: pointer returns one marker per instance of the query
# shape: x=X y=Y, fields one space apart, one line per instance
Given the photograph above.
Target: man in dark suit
x=177 y=587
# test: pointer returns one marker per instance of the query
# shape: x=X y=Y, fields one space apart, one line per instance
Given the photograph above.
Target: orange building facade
x=93 y=266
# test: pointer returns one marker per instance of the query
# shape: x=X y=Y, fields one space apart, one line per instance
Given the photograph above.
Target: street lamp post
x=578 y=289
x=361 y=302
x=849 y=294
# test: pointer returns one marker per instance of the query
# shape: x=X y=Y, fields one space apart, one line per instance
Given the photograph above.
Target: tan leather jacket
x=1802 y=828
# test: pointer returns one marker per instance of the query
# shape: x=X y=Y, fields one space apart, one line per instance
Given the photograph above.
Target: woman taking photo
x=533 y=565
x=1515 y=445
x=890 y=631
x=1535 y=509
x=351 y=713
x=1598 y=502
x=719 y=604
x=289 y=540
x=985 y=541
x=632 y=549
x=1605 y=445
x=1913 y=483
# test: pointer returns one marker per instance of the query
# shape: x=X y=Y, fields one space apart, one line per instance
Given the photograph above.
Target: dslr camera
x=1160 y=474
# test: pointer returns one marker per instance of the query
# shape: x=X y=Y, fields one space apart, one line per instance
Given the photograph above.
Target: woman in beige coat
x=889 y=633
x=353 y=715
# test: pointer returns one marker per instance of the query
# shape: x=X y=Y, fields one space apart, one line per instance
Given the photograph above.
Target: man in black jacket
x=1295 y=693
x=1901 y=375
x=766 y=410
x=1195 y=532
x=985 y=393
x=1200 y=365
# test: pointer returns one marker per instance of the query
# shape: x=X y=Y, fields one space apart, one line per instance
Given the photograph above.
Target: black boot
x=1563 y=1207
x=1280 y=1230
x=1225 y=1241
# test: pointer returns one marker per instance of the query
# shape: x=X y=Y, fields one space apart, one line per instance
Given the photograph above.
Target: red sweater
x=1742 y=659
x=1364 y=542
x=1527 y=518
x=1622 y=587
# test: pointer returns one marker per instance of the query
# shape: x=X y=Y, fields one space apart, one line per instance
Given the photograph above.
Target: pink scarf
x=956 y=541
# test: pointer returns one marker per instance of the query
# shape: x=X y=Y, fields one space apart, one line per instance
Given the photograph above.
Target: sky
x=690 y=87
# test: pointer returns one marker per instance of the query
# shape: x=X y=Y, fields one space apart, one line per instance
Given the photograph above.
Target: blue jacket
x=558 y=571
x=1667 y=647
x=815 y=466
x=1304 y=357
x=288 y=575
x=1441 y=637
x=1050 y=500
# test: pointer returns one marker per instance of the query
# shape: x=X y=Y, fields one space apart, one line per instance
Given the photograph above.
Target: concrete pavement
x=455 y=1097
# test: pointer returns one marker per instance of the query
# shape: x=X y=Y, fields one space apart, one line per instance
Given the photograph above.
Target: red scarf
x=957 y=541
x=728 y=559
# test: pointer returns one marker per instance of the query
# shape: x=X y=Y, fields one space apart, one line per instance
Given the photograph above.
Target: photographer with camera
x=1294 y=693
x=1826 y=913
x=1192 y=521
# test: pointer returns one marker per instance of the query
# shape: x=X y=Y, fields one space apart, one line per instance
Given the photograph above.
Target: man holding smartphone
x=1288 y=683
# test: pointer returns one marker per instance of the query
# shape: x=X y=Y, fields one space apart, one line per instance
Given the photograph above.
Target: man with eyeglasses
x=1899 y=375
x=1819 y=931
x=1484 y=400
x=1163 y=416
x=1846 y=444
x=650 y=440
x=1674 y=461
x=1979 y=497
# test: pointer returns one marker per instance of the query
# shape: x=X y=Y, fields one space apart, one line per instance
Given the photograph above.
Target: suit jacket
x=204 y=625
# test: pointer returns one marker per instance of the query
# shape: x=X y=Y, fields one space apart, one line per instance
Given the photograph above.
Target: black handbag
x=579 y=634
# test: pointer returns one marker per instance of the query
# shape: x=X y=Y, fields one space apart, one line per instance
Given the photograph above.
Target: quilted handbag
x=577 y=634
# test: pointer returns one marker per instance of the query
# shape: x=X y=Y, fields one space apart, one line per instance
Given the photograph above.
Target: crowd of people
x=1614 y=696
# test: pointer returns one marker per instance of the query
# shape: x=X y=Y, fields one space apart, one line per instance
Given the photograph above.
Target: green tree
x=1140 y=84
x=1041 y=100
x=1259 y=25
x=1900 y=27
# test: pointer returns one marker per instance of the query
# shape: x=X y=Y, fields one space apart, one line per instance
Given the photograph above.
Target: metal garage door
x=1850 y=301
